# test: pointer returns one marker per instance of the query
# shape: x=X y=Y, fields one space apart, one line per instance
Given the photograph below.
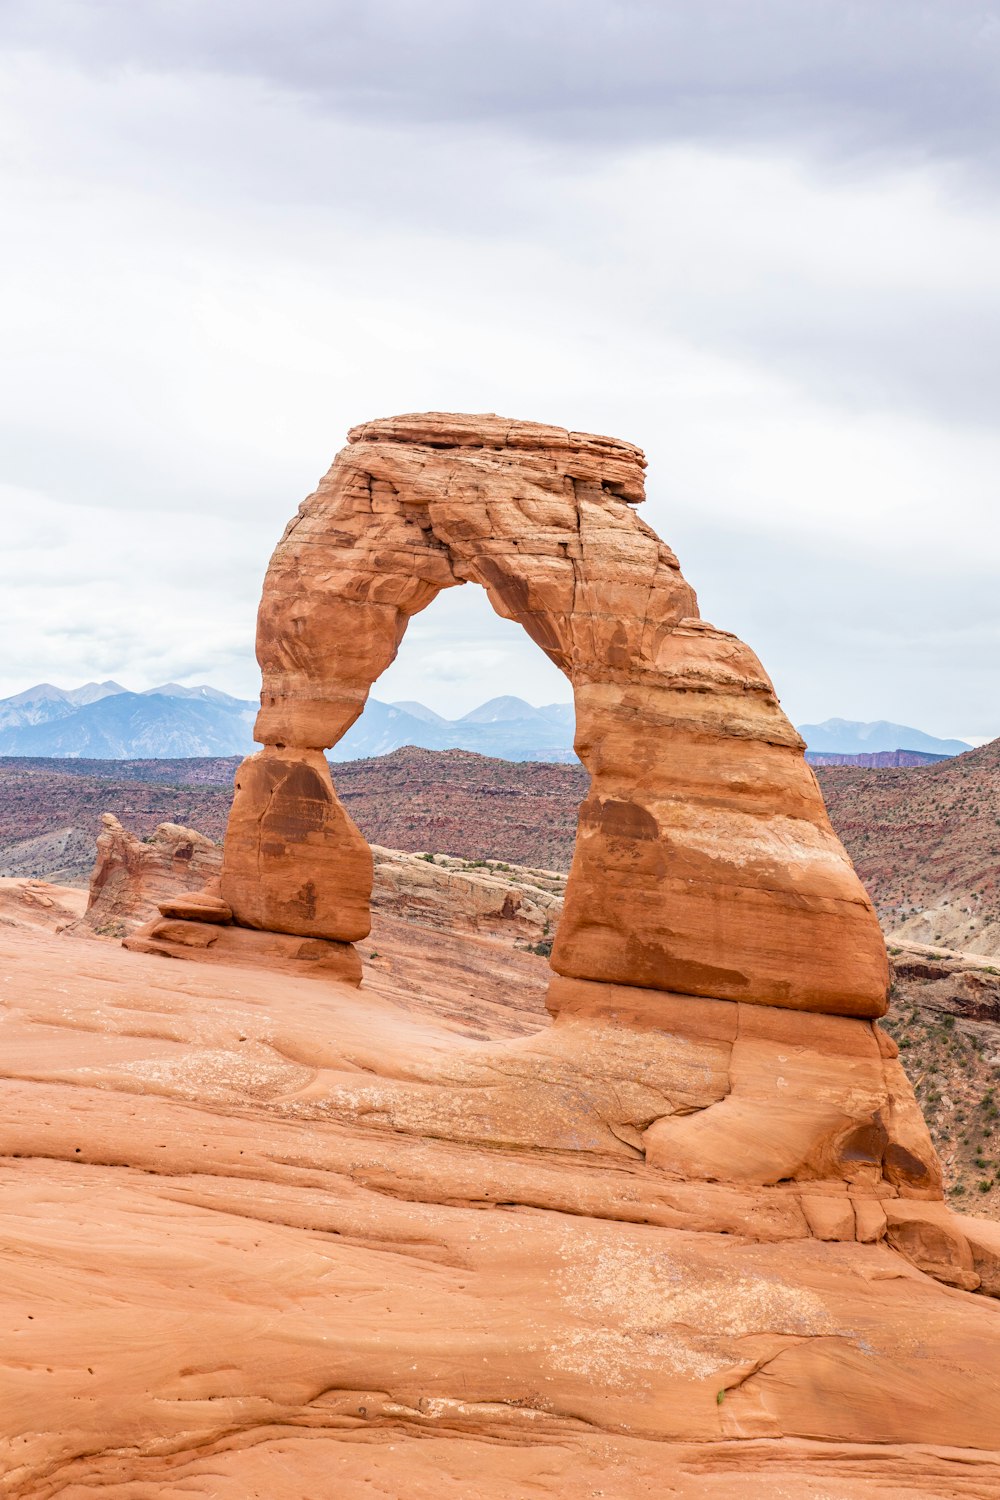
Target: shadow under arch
x=704 y=863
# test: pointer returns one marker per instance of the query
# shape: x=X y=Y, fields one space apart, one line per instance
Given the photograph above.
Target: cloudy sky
x=761 y=238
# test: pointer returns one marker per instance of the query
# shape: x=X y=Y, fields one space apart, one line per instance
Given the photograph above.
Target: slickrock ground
x=945 y=1010
x=249 y=1251
x=40 y=904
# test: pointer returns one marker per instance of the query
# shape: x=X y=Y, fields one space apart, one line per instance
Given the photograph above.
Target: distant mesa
x=875 y=759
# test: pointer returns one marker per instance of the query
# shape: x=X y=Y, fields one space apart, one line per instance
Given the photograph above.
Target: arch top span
x=609 y=460
x=705 y=863
x=541 y=517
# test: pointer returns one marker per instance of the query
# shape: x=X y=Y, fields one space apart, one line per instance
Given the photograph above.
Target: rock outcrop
x=418 y=1239
x=705 y=863
x=39 y=904
x=131 y=876
x=477 y=896
x=963 y=985
x=140 y=886
x=706 y=880
x=264 y=1235
x=294 y=862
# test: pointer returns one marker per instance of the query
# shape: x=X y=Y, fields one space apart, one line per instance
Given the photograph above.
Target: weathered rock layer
x=705 y=863
x=131 y=875
x=414 y=1238
x=269 y=1236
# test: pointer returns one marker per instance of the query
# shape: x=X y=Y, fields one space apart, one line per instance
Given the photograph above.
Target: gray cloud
x=857 y=77
x=872 y=278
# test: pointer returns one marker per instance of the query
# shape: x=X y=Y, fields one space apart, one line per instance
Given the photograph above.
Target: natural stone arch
x=705 y=863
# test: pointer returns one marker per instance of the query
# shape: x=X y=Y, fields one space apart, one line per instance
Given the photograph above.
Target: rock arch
x=705 y=863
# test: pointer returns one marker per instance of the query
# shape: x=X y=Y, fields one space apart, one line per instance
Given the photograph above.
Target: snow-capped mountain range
x=105 y=721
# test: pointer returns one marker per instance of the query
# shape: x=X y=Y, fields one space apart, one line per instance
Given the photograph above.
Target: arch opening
x=512 y=801
x=458 y=654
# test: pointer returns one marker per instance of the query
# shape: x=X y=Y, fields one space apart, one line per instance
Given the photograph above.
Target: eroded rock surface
x=293 y=860
x=964 y=985
x=268 y=1235
x=705 y=863
x=278 y=1235
x=166 y=916
x=139 y=884
x=39 y=903
x=132 y=875
x=478 y=896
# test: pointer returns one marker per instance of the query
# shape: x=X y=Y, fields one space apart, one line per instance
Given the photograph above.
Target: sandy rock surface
x=40 y=904
x=265 y=1235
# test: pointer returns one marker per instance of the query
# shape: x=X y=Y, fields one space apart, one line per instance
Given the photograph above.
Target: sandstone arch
x=705 y=863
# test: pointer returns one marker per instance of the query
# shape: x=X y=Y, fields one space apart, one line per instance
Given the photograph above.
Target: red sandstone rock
x=705 y=862
x=197 y=906
x=278 y=951
x=131 y=876
x=133 y=881
x=293 y=861
x=269 y=1236
x=417 y=1238
x=39 y=903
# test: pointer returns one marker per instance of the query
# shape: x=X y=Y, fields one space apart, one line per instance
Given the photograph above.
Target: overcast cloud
x=760 y=239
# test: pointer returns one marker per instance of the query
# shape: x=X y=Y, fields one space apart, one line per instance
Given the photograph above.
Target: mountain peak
x=93 y=692
x=853 y=736
x=418 y=711
x=105 y=720
x=500 y=710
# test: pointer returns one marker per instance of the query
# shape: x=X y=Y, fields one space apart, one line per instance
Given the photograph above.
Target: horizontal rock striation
x=420 y=1237
x=705 y=863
